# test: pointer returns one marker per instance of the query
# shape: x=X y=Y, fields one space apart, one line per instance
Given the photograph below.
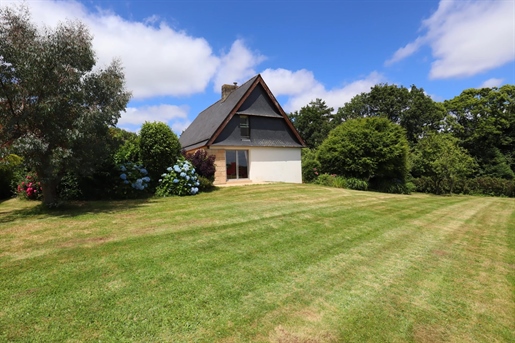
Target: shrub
x=134 y=180
x=11 y=170
x=203 y=163
x=69 y=188
x=439 y=157
x=310 y=165
x=181 y=179
x=336 y=181
x=357 y=184
x=30 y=188
x=490 y=186
x=395 y=186
x=159 y=148
x=205 y=185
x=365 y=148
x=424 y=184
x=339 y=182
x=325 y=180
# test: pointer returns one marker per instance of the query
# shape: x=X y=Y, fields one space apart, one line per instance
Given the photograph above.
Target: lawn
x=263 y=263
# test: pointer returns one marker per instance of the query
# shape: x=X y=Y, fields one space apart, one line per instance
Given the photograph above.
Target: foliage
x=159 y=148
x=484 y=122
x=313 y=122
x=205 y=184
x=356 y=184
x=30 y=188
x=10 y=167
x=181 y=179
x=203 y=163
x=491 y=186
x=394 y=186
x=310 y=165
x=366 y=148
x=55 y=109
x=134 y=180
x=483 y=185
x=439 y=157
x=411 y=108
x=69 y=188
x=128 y=147
x=332 y=180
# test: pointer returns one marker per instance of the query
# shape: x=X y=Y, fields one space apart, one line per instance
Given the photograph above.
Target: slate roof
x=209 y=123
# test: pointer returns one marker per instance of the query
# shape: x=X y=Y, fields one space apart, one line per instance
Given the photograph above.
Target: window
x=244 y=127
x=236 y=162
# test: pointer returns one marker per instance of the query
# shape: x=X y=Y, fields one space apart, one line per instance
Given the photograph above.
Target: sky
x=177 y=54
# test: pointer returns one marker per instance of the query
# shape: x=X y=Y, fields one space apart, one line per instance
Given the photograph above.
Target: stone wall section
x=221 y=172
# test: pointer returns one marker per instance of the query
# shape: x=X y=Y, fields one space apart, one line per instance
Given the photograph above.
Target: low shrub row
x=392 y=186
x=190 y=175
x=484 y=185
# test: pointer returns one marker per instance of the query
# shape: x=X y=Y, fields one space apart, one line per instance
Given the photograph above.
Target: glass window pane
x=230 y=164
x=244 y=127
x=243 y=170
x=245 y=133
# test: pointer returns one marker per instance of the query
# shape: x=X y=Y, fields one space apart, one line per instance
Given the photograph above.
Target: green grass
x=265 y=263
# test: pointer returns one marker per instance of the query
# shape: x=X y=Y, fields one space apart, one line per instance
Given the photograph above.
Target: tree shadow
x=72 y=209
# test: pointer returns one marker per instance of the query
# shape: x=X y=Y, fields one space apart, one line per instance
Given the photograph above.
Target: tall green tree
x=55 y=110
x=439 y=157
x=313 y=122
x=411 y=108
x=159 y=149
x=366 y=148
x=484 y=121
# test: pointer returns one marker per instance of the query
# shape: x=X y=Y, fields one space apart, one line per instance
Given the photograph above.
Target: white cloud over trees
x=466 y=38
x=176 y=115
x=301 y=87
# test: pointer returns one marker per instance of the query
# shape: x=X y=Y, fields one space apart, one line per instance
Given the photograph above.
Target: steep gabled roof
x=204 y=130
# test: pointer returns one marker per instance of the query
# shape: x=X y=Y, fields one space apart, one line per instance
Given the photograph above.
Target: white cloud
x=157 y=59
x=493 y=82
x=285 y=82
x=175 y=116
x=302 y=88
x=237 y=65
x=406 y=51
x=466 y=37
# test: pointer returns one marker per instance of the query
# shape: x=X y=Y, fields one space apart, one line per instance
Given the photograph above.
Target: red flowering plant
x=30 y=188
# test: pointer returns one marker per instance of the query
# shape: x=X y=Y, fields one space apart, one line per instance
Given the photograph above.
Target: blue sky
x=177 y=54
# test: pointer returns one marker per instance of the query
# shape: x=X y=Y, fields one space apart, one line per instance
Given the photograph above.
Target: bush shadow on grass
x=72 y=209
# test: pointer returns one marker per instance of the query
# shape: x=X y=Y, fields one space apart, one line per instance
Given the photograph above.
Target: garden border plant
x=180 y=179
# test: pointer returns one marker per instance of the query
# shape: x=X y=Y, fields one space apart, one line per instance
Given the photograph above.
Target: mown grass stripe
x=263 y=263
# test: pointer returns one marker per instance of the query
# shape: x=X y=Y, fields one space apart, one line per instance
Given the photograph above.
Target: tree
x=366 y=148
x=411 y=108
x=313 y=122
x=439 y=157
x=159 y=149
x=484 y=121
x=55 y=110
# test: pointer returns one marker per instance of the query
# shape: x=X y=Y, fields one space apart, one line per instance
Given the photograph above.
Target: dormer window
x=244 y=127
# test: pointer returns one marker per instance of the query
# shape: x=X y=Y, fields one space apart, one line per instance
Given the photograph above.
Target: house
x=250 y=135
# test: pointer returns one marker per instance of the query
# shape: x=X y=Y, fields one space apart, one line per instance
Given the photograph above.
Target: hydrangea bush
x=133 y=177
x=30 y=188
x=180 y=179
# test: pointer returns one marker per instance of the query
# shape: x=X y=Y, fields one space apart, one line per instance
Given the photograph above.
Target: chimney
x=228 y=89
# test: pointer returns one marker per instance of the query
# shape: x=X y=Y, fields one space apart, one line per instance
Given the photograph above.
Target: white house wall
x=275 y=164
